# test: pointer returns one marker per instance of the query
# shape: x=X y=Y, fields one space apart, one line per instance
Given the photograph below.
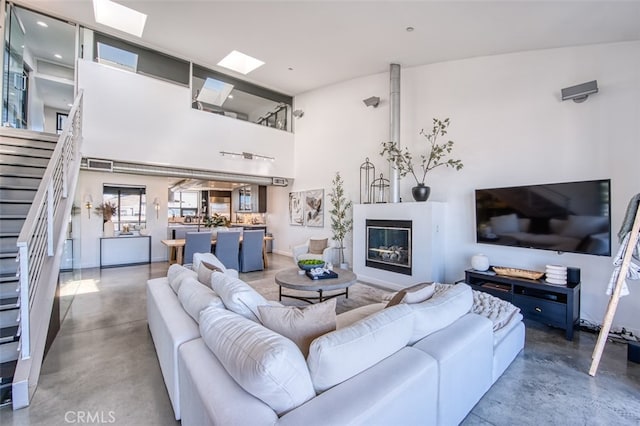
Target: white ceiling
x=330 y=41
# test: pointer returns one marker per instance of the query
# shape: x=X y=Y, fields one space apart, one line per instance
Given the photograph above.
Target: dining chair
x=228 y=249
x=251 y=251
x=196 y=242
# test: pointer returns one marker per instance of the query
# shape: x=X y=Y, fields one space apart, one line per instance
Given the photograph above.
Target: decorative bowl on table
x=310 y=264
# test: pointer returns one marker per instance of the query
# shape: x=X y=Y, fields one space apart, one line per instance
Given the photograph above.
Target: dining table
x=176 y=248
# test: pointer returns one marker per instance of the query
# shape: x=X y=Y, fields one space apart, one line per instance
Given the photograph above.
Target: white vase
x=108 y=230
x=480 y=262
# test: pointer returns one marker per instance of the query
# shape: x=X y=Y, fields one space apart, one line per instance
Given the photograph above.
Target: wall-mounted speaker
x=580 y=92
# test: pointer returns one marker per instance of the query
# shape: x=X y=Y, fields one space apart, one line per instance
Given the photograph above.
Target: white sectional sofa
x=427 y=363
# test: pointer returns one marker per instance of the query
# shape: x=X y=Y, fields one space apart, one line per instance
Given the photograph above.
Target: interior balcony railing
x=40 y=251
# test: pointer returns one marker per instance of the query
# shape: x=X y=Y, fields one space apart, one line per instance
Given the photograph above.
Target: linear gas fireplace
x=389 y=245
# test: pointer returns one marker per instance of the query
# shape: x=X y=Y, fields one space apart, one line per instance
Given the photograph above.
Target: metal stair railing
x=40 y=251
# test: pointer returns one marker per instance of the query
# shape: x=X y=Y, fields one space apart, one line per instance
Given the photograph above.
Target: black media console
x=553 y=305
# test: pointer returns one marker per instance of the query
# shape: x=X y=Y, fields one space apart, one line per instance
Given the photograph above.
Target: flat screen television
x=569 y=217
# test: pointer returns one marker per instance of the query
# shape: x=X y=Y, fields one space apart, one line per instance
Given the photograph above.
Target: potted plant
x=435 y=156
x=107 y=210
x=341 y=224
x=215 y=220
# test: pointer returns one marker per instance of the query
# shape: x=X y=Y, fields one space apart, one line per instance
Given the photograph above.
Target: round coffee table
x=290 y=279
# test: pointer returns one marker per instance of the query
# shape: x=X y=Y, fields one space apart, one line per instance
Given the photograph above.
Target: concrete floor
x=102 y=367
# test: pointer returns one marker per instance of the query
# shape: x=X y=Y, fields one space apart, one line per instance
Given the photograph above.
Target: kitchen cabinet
x=250 y=199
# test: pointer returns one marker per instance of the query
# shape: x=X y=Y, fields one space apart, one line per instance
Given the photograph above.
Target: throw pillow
x=266 y=365
x=195 y=297
x=301 y=325
x=414 y=294
x=209 y=258
x=339 y=355
x=238 y=296
x=449 y=303
x=176 y=274
x=204 y=272
x=317 y=246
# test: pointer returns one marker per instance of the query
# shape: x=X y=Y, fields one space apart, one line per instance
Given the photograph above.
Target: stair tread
x=13 y=216
x=20 y=187
x=9 y=352
x=9 y=201
x=9 y=331
x=8 y=277
x=6 y=304
x=9 y=234
x=33 y=153
x=6 y=371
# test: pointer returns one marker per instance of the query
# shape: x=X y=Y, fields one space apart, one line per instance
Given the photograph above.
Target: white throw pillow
x=267 y=365
x=204 y=272
x=506 y=224
x=238 y=296
x=176 y=274
x=449 y=303
x=414 y=294
x=301 y=325
x=195 y=297
x=209 y=258
x=341 y=354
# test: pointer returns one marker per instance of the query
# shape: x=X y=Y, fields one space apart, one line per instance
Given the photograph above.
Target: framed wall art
x=314 y=208
x=296 y=209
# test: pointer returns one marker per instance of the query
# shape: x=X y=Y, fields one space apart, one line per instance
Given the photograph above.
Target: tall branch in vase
x=341 y=223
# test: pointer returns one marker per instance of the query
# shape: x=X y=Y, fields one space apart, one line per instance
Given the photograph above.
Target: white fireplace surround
x=427 y=242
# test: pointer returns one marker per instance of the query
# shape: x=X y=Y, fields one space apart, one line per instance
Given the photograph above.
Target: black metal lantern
x=380 y=190
x=367 y=175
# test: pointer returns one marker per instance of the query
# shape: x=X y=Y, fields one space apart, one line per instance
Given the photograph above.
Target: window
x=185 y=204
x=131 y=206
x=225 y=95
x=128 y=56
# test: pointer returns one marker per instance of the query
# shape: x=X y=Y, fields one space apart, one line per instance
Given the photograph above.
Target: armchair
x=301 y=252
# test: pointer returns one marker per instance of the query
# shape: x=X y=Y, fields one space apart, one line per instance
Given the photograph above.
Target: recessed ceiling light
x=409 y=29
x=230 y=96
x=290 y=68
x=238 y=61
x=57 y=55
x=119 y=17
x=69 y=105
x=42 y=24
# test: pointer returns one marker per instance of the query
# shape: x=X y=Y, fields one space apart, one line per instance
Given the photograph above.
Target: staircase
x=24 y=156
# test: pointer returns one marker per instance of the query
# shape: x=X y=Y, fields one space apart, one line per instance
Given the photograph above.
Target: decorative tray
x=322 y=276
x=518 y=273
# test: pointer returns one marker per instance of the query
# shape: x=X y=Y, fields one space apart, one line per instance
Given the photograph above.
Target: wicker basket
x=518 y=273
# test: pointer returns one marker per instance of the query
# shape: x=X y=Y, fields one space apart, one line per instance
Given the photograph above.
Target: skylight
x=239 y=62
x=214 y=92
x=119 y=17
x=120 y=58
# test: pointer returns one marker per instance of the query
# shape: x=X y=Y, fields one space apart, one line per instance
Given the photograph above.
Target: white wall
x=87 y=240
x=142 y=119
x=509 y=128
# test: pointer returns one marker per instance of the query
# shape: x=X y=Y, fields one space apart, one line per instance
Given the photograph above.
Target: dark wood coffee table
x=290 y=279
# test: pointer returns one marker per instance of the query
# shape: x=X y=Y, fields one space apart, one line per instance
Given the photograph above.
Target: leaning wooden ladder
x=615 y=295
